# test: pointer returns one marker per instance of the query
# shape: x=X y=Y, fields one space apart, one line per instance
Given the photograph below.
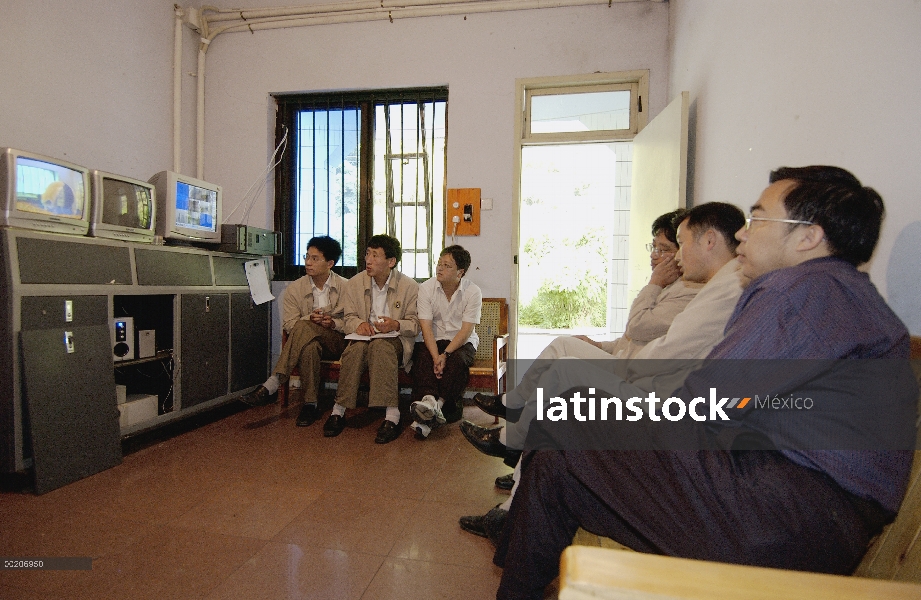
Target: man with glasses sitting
x=651 y=314
x=312 y=316
x=772 y=486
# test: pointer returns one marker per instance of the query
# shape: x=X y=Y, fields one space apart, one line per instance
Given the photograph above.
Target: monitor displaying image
x=196 y=207
x=126 y=204
x=49 y=189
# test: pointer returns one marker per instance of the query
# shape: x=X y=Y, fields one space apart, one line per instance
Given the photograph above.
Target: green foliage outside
x=574 y=293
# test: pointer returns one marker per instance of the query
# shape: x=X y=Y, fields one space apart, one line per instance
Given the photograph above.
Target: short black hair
x=725 y=218
x=850 y=214
x=389 y=244
x=330 y=249
x=460 y=255
x=667 y=224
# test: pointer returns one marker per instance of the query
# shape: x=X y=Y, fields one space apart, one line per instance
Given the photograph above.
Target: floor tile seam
x=375 y=495
x=408 y=522
x=314 y=546
x=197 y=529
x=371 y=580
x=230 y=575
x=437 y=562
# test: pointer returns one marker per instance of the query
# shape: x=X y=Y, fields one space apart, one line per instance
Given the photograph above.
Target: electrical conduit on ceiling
x=211 y=21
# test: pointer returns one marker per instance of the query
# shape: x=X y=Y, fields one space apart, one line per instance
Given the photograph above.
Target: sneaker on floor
x=427 y=410
x=422 y=430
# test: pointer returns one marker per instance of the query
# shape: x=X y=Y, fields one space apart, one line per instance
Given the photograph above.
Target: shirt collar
x=386 y=283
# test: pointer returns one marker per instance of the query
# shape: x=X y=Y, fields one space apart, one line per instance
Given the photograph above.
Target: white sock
x=272 y=384
x=393 y=414
x=338 y=409
x=503 y=401
x=502 y=437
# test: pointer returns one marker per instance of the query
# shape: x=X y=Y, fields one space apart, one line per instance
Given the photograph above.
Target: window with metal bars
x=359 y=164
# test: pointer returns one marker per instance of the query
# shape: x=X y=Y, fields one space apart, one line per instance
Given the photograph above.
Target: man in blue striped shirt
x=820 y=483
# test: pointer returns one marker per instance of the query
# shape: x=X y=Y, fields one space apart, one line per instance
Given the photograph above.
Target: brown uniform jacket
x=402 y=293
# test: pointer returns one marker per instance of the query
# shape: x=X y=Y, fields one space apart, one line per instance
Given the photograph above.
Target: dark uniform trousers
x=453 y=380
x=752 y=507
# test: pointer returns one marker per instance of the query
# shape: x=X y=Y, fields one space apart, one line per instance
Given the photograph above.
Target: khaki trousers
x=308 y=344
x=382 y=358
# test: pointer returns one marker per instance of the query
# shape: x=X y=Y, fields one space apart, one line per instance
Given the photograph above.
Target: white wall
x=787 y=82
x=89 y=82
x=479 y=58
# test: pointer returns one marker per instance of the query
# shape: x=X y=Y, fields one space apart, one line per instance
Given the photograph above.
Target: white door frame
x=575 y=83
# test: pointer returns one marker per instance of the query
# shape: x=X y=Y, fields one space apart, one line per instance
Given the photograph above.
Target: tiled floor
x=253 y=507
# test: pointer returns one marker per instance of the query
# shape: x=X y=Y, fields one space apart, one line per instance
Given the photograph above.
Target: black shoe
x=259 y=397
x=492 y=405
x=453 y=415
x=506 y=482
x=333 y=426
x=387 y=432
x=488 y=526
x=483 y=439
x=511 y=457
x=308 y=415
x=489 y=404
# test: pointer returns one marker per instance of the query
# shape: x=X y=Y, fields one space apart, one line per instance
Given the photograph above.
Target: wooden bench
x=597 y=567
x=489 y=366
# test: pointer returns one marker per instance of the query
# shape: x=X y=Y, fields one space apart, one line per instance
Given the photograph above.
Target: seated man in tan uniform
x=380 y=307
x=312 y=317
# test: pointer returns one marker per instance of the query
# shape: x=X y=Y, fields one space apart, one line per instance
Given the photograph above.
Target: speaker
x=122 y=338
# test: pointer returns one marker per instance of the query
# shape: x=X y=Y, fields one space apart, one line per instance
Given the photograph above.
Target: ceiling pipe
x=346 y=12
x=177 y=88
x=365 y=11
x=215 y=14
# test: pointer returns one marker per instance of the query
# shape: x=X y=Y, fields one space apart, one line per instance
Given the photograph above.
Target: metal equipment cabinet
x=57 y=371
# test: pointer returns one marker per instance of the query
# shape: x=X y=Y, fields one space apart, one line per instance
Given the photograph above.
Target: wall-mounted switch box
x=463 y=211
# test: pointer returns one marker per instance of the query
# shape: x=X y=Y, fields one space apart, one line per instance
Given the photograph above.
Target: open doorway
x=574 y=162
x=574 y=223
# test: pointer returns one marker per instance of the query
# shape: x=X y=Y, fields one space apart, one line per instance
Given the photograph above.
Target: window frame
x=288 y=105
x=580 y=136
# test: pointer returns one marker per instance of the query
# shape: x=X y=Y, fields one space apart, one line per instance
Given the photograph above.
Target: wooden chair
x=489 y=367
x=491 y=363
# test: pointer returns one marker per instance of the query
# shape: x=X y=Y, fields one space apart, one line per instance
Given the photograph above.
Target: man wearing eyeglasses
x=822 y=482
x=706 y=252
x=312 y=317
x=651 y=314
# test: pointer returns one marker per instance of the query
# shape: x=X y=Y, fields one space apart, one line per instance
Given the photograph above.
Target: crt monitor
x=43 y=193
x=188 y=209
x=123 y=208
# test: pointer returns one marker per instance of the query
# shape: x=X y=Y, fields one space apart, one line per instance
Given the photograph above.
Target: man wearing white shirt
x=449 y=309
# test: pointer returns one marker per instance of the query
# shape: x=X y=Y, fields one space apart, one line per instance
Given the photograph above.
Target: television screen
x=196 y=207
x=43 y=193
x=188 y=209
x=49 y=189
x=123 y=208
